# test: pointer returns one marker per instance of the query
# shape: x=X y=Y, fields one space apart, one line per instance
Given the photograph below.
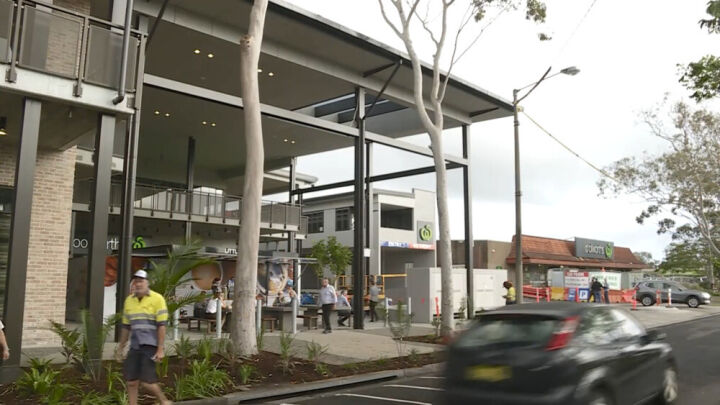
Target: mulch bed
x=268 y=367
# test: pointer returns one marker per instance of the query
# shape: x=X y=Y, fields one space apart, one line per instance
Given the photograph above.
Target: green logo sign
x=608 y=250
x=425 y=233
x=138 y=243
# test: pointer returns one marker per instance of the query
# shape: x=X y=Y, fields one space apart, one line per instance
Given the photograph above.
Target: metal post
x=190 y=186
x=176 y=322
x=469 y=242
x=97 y=249
x=409 y=306
x=125 y=46
x=387 y=311
x=13 y=54
x=359 y=236
x=518 y=210
x=258 y=317
x=369 y=226
x=294 y=303
x=14 y=304
x=292 y=180
x=218 y=319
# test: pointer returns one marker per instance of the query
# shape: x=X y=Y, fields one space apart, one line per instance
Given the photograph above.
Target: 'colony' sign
x=594 y=249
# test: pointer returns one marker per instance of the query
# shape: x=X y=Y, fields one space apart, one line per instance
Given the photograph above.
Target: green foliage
x=382 y=361
x=95 y=398
x=688 y=257
x=226 y=350
x=70 y=340
x=681 y=183
x=203 y=380
x=204 y=349
x=400 y=327
x=702 y=77
x=286 y=351
x=40 y=364
x=331 y=255
x=79 y=345
x=44 y=385
x=168 y=274
x=114 y=379
x=315 y=351
x=246 y=372
x=322 y=369
x=162 y=367
x=713 y=23
x=184 y=348
x=414 y=356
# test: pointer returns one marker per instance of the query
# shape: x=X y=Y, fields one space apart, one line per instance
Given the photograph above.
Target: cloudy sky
x=627 y=52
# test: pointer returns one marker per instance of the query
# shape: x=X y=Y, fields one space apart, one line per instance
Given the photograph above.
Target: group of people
x=331 y=300
x=599 y=292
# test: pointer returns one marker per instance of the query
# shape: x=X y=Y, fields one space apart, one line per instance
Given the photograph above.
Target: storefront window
x=343 y=219
x=316 y=222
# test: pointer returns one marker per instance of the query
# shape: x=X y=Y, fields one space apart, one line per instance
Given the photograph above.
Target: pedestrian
x=328 y=299
x=231 y=287
x=343 y=307
x=374 y=299
x=606 y=290
x=596 y=290
x=216 y=285
x=3 y=343
x=510 y=297
x=144 y=321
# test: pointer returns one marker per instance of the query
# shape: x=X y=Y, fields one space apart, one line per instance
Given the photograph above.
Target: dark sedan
x=560 y=353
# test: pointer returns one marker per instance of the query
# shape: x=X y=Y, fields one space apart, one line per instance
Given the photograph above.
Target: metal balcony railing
x=182 y=204
x=43 y=37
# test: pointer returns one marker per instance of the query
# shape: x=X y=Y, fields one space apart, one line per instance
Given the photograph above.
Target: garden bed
x=262 y=370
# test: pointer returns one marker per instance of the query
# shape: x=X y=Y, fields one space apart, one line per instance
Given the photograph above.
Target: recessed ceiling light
x=3 y=126
x=285 y=140
x=292 y=141
x=204 y=122
x=196 y=52
x=259 y=70
x=213 y=124
x=167 y=114
x=271 y=74
x=157 y=112
x=210 y=55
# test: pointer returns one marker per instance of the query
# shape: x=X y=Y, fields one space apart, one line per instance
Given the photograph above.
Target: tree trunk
x=243 y=331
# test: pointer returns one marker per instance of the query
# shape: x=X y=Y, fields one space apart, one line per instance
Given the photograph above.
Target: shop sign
x=577 y=279
x=613 y=279
x=407 y=245
x=594 y=249
x=80 y=245
x=425 y=232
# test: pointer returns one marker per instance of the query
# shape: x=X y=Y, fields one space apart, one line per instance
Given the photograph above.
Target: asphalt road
x=696 y=345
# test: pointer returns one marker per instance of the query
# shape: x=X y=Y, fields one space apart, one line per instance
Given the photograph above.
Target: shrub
x=246 y=372
x=44 y=385
x=184 y=348
x=94 y=398
x=286 y=352
x=204 y=349
x=203 y=380
x=315 y=351
x=322 y=369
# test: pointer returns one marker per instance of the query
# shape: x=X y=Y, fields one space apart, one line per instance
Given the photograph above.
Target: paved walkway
x=346 y=345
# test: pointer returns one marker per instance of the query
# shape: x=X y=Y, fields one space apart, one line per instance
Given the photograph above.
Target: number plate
x=488 y=373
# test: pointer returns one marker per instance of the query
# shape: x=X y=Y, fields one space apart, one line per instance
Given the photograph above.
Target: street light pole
x=518 y=207
x=572 y=71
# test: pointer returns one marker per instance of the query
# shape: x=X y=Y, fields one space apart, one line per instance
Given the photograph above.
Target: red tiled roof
x=538 y=250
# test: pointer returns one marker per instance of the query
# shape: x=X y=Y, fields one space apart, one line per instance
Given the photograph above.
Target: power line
x=599 y=170
x=577 y=28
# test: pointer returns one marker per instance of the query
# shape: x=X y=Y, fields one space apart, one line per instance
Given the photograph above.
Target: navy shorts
x=139 y=365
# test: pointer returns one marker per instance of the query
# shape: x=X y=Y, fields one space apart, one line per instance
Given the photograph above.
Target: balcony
x=153 y=201
x=45 y=38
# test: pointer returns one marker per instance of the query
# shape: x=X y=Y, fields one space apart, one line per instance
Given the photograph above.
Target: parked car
x=647 y=293
x=560 y=353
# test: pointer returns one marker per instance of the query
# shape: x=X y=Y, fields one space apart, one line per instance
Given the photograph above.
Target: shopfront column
x=20 y=237
x=467 y=202
x=358 y=268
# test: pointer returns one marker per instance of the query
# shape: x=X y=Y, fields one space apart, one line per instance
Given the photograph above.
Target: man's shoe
x=326 y=331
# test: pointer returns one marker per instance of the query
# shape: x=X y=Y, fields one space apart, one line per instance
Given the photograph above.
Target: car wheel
x=693 y=302
x=669 y=393
x=647 y=300
x=599 y=397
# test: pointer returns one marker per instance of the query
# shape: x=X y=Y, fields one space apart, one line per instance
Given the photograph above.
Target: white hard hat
x=140 y=274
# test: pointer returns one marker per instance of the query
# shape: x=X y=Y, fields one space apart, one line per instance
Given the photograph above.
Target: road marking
x=404 y=401
x=417 y=387
x=433 y=378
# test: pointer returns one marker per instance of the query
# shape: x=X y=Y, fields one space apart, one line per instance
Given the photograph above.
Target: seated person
x=343 y=307
x=212 y=306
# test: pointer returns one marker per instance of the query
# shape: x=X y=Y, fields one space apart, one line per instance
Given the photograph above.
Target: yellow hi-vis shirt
x=142 y=317
x=511 y=294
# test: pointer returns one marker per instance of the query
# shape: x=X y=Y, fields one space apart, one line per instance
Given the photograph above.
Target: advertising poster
x=577 y=279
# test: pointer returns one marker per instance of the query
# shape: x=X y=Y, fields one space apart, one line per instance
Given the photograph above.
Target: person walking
x=596 y=290
x=510 y=296
x=374 y=299
x=328 y=299
x=144 y=321
x=606 y=290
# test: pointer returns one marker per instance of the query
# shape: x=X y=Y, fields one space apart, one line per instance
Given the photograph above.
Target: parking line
x=417 y=387
x=404 y=401
x=433 y=378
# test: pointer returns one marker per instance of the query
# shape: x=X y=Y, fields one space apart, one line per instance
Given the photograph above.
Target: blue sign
x=584 y=294
x=571 y=294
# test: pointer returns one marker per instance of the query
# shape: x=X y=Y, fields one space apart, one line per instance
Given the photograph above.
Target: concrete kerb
x=286 y=390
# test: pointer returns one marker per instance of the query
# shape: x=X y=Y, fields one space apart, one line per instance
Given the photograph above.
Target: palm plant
x=168 y=274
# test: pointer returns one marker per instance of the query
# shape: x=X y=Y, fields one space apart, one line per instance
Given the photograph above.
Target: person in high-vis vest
x=510 y=296
x=144 y=320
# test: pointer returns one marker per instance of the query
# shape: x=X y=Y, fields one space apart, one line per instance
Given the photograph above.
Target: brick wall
x=49 y=240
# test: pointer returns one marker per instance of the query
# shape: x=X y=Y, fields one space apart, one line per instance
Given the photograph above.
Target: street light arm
x=544 y=76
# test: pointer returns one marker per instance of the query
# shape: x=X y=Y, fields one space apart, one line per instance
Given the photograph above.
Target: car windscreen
x=509 y=331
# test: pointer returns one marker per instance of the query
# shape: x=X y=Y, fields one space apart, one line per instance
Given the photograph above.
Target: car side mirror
x=654 y=336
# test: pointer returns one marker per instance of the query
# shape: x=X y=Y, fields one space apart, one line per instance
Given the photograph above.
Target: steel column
x=358 y=268
x=97 y=249
x=518 y=204
x=20 y=238
x=291 y=187
x=469 y=242
x=368 y=207
x=190 y=186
